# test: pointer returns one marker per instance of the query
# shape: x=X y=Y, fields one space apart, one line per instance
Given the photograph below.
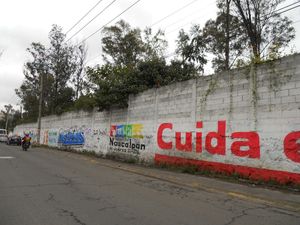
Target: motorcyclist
x=26 y=138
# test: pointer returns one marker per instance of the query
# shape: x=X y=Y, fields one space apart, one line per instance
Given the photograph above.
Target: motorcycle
x=25 y=145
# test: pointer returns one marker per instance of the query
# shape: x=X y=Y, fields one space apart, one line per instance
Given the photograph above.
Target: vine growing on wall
x=251 y=76
x=212 y=86
x=254 y=92
x=230 y=97
x=277 y=78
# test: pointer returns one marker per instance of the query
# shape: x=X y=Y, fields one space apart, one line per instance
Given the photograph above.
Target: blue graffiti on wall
x=71 y=138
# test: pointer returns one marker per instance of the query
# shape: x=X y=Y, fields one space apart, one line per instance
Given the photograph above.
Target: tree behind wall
x=124 y=50
x=29 y=91
x=264 y=25
x=62 y=64
x=10 y=119
x=225 y=37
x=57 y=64
x=78 y=78
x=134 y=61
x=122 y=45
x=191 y=49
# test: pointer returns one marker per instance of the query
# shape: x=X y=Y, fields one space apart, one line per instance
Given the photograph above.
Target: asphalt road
x=43 y=187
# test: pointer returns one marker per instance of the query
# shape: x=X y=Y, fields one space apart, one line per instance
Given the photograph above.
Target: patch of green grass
x=233 y=177
x=131 y=160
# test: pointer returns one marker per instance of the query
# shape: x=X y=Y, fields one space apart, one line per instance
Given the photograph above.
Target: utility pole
x=40 y=109
x=21 y=111
x=8 y=108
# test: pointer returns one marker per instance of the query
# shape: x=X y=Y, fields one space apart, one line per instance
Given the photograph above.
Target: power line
x=174 y=53
x=267 y=18
x=288 y=10
x=206 y=13
x=287 y=6
x=182 y=25
x=191 y=21
x=171 y=14
x=92 y=19
x=276 y=12
x=92 y=59
x=111 y=20
x=213 y=3
x=193 y=13
x=84 y=16
x=276 y=37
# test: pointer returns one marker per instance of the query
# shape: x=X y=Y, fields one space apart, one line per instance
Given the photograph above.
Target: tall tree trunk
x=255 y=50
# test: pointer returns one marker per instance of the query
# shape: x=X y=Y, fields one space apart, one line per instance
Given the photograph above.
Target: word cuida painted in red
x=244 y=144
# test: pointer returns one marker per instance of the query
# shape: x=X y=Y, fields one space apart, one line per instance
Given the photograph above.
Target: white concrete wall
x=263 y=100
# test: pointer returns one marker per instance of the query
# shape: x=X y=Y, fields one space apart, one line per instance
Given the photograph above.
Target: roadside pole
x=7 y=116
x=40 y=110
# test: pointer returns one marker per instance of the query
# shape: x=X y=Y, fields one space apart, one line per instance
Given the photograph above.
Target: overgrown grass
x=233 y=177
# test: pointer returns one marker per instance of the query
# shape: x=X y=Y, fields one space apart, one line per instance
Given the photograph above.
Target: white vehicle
x=3 y=135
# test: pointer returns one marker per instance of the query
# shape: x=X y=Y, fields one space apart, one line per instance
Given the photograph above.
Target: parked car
x=14 y=139
x=3 y=135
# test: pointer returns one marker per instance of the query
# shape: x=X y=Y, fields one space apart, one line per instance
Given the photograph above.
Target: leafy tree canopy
x=56 y=66
x=264 y=26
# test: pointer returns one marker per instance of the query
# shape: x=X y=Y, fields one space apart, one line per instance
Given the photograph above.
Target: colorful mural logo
x=126 y=138
x=127 y=131
x=71 y=138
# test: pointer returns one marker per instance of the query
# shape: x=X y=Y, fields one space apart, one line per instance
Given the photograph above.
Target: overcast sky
x=23 y=22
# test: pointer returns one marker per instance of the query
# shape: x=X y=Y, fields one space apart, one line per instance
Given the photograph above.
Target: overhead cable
x=193 y=13
x=111 y=20
x=277 y=13
x=92 y=19
x=287 y=6
x=84 y=16
x=287 y=10
x=171 y=14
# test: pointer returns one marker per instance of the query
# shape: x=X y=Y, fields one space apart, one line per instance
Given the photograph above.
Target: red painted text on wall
x=243 y=144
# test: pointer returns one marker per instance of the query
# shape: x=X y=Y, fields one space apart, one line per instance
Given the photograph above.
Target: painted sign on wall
x=71 y=138
x=184 y=141
x=46 y=136
x=126 y=138
x=127 y=131
x=33 y=135
x=243 y=145
x=52 y=137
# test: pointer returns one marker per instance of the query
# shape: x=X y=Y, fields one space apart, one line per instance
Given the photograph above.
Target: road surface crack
x=280 y=211
x=108 y=207
x=68 y=180
x=50 y=198
x=242 y=214
x=172 y=189
x=71 y=214
x=32 y=185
